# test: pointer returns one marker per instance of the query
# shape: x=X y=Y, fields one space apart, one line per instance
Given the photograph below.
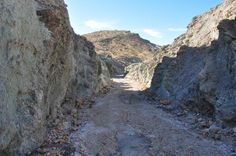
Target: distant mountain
x=122 y=46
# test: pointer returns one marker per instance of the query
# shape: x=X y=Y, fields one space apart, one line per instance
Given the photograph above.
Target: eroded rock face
x=60 y=48
x=88 y=69
x=141 y=72
x=23 y=76
x=203 y=28
x=40 y=57
x=201 y=32
x=197 y=71
x=224 y=72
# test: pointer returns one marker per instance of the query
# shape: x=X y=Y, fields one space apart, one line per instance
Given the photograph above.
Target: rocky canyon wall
x=201 y=32
x=197 y=71
x=42 y=62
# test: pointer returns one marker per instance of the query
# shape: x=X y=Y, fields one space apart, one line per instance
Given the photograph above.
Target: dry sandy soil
x=123 y=123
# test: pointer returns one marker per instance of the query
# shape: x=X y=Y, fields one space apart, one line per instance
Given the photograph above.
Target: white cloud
x=92 y=24
x=153 y=33
x=177 y=29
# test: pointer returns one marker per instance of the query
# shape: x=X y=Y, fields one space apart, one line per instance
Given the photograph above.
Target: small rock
x=180 y=114
x=233 y=45
x=203 y=124
x=232 y=150
x=210 y=122
x=214 y=129
x=42 y=150
x=74 y=111
x=217 y=136
x=205 y=132
x=200 y=120
x=66 y=125
x=234 y=129
x=165 y=102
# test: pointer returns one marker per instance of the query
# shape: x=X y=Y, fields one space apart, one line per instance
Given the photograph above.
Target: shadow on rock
x=202 y=79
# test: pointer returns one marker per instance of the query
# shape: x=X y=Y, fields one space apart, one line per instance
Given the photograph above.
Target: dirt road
x=122 y=123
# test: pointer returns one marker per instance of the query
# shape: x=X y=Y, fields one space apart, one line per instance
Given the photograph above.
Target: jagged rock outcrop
x=88 y=70
x=114 y=66
x=141 y=72
x=197 y=71
x=201 y=32
x=104 y=75
x=60 y=48
x=203 y=29
x=123 y=47
x=42 y=60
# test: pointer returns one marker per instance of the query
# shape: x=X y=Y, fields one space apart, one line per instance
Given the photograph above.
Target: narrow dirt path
x=122 y=123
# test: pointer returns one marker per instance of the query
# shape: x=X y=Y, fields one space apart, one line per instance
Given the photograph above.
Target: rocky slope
x=42 y=62
x=197 y=71
x=201 y=32
x=123 y=47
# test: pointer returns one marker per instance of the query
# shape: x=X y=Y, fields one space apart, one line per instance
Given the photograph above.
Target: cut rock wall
x=40 y=57
x=197 y=71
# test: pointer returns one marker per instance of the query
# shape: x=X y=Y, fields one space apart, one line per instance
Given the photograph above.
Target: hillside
x=123 y=47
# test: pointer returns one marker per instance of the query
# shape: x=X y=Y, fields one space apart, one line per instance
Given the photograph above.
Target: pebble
x=217 y=136
x=210 y=122
x=165 y=102
x=203 y=124
x=234 y=129
x=214 y=129
x=56 y=121
x=205 y=132
x=74 y=111
x=180 y=114
x=66 y=125
x=200 y=120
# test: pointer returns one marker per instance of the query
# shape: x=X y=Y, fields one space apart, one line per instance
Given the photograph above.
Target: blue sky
x=159 y=21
